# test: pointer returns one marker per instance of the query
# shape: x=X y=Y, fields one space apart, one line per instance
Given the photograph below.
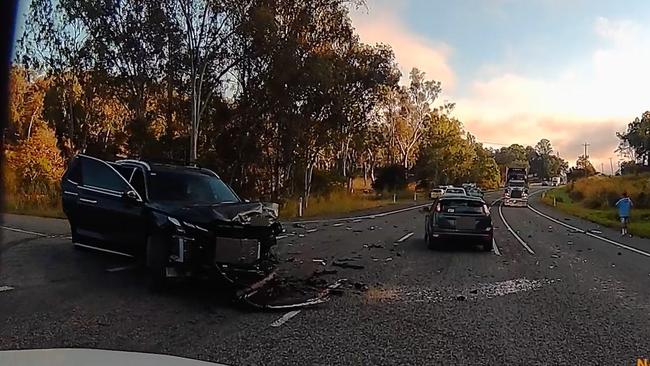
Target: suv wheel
x=156 y=259
x=487 y=246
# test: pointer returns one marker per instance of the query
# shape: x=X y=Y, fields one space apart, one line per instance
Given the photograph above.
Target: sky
x=572 y=71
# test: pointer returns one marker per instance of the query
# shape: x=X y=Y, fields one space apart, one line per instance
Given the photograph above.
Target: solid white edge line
x=373 y=216
x=523 y=243
x=404 y=237
x=23 y=231
x=632 y=249
x=495 y=247
x=5 y=288
x=118 y=269
x=103 y=250
x=284 y=318
x=281 y=237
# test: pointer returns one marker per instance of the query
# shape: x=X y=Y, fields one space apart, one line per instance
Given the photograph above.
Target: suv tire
x=156 y=259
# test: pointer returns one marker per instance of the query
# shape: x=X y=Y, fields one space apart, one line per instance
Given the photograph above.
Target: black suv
x=179 y=220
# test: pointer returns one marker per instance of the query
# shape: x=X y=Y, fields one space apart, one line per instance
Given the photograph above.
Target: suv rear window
x=461 y=206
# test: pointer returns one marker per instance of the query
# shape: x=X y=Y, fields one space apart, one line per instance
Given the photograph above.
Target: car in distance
x=546 y=183
x=475 y=192
x=456 y=218
x=455 y=191
x=436 y=192
x=178 y=220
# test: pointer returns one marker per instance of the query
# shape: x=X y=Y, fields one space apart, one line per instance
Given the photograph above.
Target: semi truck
x=516 y=187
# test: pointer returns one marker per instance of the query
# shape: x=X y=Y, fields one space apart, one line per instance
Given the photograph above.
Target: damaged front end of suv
x=232 y=240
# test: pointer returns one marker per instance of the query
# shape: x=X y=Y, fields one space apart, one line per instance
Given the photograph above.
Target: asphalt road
x=565 y=297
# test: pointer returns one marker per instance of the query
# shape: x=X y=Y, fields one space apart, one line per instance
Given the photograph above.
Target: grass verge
x=343 y=202
x=639 y=222
x=34 y=206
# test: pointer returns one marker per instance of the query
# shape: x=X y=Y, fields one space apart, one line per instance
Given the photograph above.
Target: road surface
x=552 y=295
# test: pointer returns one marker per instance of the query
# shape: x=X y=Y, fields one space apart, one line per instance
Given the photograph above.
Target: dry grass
x=607 y=216
x=344 y=202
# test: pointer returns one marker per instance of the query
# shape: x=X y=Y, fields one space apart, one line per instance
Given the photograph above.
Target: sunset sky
x=572 y=71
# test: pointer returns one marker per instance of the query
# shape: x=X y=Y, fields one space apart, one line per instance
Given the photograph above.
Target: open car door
x=109 y=210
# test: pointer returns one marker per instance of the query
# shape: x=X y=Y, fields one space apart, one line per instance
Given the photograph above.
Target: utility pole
x=602 y=167
x=586 y=145
x=611 y=166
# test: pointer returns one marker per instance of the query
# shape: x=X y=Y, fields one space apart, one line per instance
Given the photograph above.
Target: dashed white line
x=620 y=245
x=523 y=243
x=404 y=237
x=311 y=230
x=5 y=288
x=284 y=318
x=281 y=237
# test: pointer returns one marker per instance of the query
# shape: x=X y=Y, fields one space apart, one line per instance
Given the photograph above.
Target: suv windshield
x=189 y=187
x=461 y=206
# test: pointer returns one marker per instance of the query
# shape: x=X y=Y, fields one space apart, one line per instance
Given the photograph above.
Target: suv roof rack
x=134 y=161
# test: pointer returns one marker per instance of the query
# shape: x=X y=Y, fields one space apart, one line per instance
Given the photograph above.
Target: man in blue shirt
x=624 y=205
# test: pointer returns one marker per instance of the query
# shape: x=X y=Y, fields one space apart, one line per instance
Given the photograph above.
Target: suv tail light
x=438 y=207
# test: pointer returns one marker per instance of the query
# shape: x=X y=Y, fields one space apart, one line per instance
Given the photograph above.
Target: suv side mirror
x=130 y=196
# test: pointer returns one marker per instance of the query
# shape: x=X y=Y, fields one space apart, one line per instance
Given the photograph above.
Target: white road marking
x=5 y=288
x=24 y=231
x=404 y=237
x=339 y=224
x=281 y=237
x=284 y=318
x=311 y=230
x=496 y=248
x=362 y=217
x=523 y=243
x=102 y=250
x=620 y=245
x=118 y=269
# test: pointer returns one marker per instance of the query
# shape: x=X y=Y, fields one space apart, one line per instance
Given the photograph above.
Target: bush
x=31 y=174
x=390 y=178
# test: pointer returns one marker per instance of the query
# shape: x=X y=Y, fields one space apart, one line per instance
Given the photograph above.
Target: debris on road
x=555 y=256
x=371 y=228
x=594 y=231
x=355 y=221
x=319 y=261
x=550 y=228
x=6 y=288
x=370 y=246
x=619 y=253
x=311 y=230
x=338 y=263
x=338 y=224
x=567 y=219
x=299 y=225
x=322 y=272
x=388 y=259
x=569 y=242
x=361 y=286
x=461 y=298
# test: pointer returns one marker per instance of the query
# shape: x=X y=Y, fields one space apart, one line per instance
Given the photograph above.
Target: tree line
x=279 y=96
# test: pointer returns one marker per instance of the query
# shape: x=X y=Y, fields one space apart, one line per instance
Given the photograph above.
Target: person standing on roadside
x=624 y=204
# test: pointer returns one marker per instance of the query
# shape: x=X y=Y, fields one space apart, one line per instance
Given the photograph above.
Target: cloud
x=581 y=104
x=379 y=23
